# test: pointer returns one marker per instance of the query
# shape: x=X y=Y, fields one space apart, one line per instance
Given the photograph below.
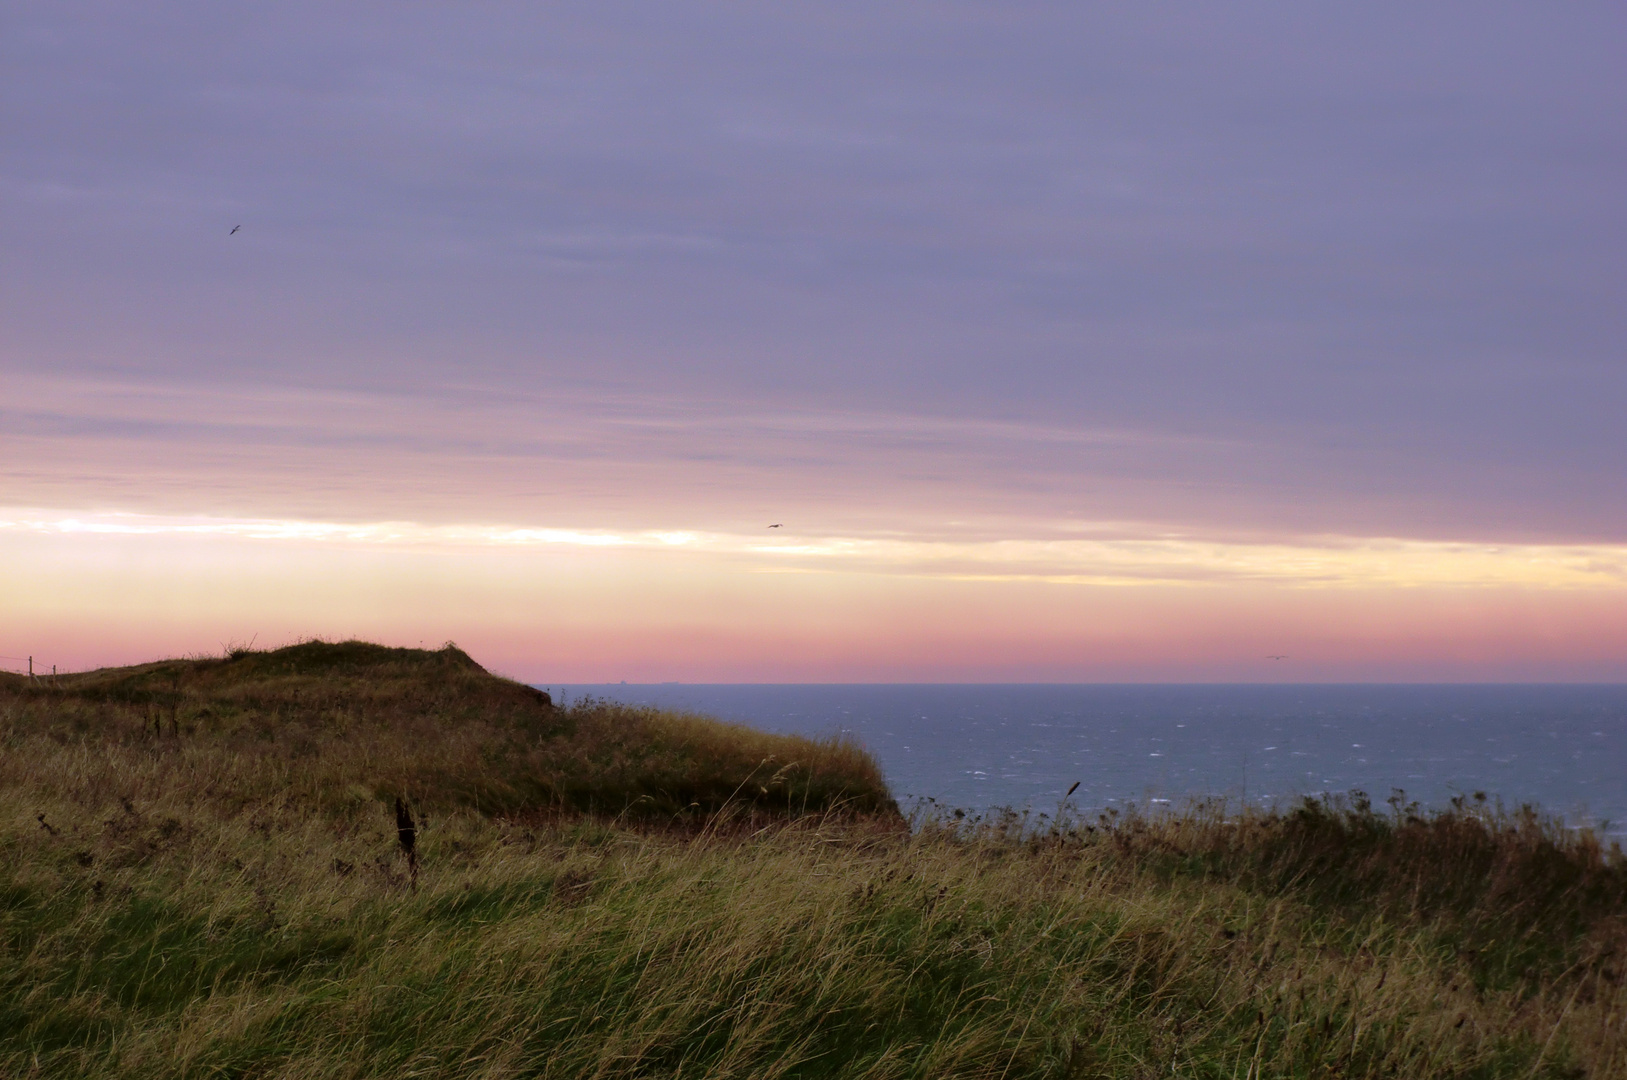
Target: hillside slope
x=202 y=874
x=330 y=723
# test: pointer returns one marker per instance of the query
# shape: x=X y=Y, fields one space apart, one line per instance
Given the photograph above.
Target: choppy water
x=1561 y=747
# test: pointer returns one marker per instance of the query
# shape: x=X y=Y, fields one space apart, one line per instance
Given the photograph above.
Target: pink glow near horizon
x=578 y=608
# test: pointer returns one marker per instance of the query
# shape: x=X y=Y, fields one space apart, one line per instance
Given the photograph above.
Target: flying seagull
x=1276 y=656
x=773 y=526
x=234 y=230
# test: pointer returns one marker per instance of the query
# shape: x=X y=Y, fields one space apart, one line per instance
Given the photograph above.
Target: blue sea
x=1561 y=747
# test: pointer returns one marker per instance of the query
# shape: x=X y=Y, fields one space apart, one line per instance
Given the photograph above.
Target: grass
x=334 y=724
x=230 y=897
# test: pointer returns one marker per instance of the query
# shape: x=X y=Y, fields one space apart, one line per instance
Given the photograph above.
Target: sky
x=1063 y=342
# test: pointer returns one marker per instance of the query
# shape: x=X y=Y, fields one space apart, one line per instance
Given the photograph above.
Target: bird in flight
x=1277 y=656
x=234 y=230
x=773 y=526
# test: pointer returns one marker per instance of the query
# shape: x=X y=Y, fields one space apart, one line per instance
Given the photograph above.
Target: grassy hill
x=330 y=724
x=202 y=873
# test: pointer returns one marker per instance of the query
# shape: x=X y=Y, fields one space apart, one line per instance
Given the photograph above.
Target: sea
x=1561 y=748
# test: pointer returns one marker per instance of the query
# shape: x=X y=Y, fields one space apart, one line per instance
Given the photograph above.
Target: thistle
x=406 y=832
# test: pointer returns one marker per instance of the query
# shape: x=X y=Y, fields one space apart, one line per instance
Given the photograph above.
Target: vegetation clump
x=346 y=861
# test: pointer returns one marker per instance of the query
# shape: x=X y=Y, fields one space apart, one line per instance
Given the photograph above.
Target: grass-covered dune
x=203 y=876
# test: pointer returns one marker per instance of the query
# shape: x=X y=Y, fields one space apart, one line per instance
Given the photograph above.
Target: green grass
x=231 y=900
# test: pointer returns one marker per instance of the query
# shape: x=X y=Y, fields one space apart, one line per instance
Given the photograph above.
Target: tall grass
x=333 y=724
x=168 y=910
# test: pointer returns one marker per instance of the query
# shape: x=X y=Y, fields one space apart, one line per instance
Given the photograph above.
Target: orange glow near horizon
x=584 y=605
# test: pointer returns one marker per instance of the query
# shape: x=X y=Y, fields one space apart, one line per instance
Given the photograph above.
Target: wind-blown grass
x=334 y=724
x=168 y=908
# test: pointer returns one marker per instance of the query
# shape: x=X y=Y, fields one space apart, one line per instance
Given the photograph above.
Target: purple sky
x=1245 y=270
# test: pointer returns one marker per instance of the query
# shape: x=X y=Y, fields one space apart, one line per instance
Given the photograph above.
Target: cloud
x=937 y=272
x=1309 y=563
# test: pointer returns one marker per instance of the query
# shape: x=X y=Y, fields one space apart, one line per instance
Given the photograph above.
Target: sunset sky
x=1066 y=342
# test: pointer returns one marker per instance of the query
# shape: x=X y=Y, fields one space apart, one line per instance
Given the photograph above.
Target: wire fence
x=26 y=665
